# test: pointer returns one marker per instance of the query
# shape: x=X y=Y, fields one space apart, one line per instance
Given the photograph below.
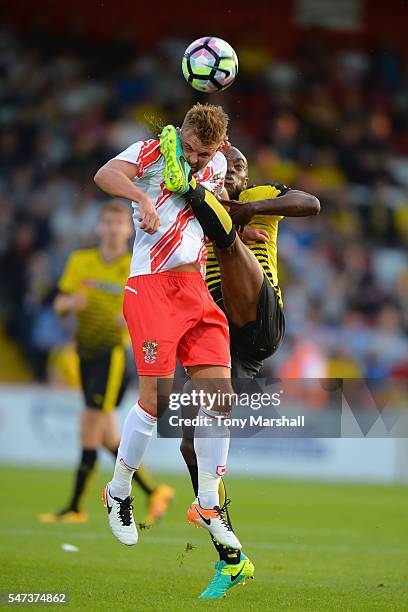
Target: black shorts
x=256 y=341
x=250 y=346
x=104 y=379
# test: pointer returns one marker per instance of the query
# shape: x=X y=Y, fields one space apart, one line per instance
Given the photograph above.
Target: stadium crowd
x=334 y=123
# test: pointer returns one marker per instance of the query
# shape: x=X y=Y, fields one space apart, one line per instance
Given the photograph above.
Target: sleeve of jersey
x=278 y=189
x=215 y=182
x=141 y=154
x=70 y=281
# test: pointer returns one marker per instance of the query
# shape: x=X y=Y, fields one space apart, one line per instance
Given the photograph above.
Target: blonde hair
x=208 y=122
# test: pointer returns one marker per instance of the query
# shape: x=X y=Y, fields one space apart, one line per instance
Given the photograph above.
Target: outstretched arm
x=292 y=204
x=115 y=178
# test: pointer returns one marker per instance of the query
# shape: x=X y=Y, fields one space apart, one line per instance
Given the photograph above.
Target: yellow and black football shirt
x=265 y=252
x=98 y=328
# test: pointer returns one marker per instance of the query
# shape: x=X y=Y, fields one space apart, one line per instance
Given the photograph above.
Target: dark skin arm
x=292 y=204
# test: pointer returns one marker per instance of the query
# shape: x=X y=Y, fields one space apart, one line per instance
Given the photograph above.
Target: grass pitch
x=315 y=547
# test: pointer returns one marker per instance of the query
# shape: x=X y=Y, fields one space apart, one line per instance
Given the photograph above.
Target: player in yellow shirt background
x=91 y=288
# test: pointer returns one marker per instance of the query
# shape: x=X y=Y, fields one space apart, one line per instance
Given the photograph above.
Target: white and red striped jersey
x=180 y=239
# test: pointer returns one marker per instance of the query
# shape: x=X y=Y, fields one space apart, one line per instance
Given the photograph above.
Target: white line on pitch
x=148 y=539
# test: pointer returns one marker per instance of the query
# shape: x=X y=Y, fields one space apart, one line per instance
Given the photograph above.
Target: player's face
x=236 y=178
x=114 y=228
x=197 y=154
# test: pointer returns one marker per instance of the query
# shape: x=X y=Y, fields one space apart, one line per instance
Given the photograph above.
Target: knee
x=111 y=442
x=92 y=427
x=188 y=451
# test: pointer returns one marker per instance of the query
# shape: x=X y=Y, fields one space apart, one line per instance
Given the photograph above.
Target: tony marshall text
x=252 y=421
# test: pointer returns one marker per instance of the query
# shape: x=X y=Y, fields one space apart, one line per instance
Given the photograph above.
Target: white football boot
x=214 y=521
x=120 y=516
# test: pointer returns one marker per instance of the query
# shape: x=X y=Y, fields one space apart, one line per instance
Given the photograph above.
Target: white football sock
x=211 y=446
x=120 y=485
x=136 y=435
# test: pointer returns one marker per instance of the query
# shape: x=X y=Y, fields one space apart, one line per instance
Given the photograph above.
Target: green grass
x=315 y=547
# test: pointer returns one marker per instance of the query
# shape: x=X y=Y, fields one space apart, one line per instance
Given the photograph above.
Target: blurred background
x=320 y=104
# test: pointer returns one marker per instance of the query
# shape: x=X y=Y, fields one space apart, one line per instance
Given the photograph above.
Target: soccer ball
x=210 y=64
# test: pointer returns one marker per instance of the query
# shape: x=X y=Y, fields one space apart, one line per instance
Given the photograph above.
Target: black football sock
x=83 y=475
x=190 y=458
x=142 y=477
x=229 y=555
x=193 y=469
x=211 y=215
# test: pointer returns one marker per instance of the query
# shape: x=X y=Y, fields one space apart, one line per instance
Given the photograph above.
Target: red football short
x=170 y=316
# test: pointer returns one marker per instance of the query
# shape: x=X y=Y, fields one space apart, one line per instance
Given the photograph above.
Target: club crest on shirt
x=150 y=348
